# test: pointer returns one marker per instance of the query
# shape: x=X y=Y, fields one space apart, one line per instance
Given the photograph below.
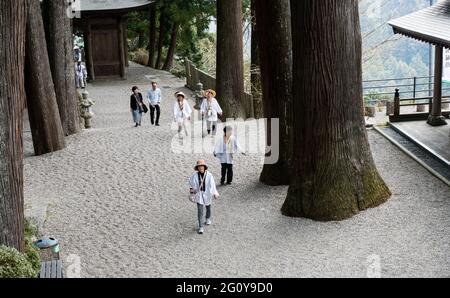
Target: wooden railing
x=195 y=76
x=394 y=108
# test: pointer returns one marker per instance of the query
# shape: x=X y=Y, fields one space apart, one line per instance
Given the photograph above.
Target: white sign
x=446 y=74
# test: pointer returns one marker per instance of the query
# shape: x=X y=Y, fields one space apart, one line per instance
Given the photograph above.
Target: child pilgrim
x=211 y=109
x=182 y=113
x=225 y=149
x=203 y=188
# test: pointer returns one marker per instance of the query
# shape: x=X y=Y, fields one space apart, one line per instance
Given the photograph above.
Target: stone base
x=436 y=121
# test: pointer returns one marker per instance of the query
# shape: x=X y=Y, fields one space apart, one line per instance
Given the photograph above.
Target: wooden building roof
x=431 y=25
x=106 y=6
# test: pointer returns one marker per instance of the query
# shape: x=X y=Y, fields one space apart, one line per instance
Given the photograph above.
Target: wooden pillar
x=436 y=118
x=125 y=41
x=88 y=49
x=397 y=102
x=121 y=48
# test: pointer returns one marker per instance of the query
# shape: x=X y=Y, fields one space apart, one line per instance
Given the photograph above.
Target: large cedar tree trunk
x=12 y=103
x=255 y=68
x=152 y=36
x=46 y=128
x=275 y=40
x=59 y=37
x=335 y=176
x=173 y=44
x=230 y=59
x=162 y=34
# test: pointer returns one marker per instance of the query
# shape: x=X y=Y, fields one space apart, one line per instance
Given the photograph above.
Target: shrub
x=13 y=264
x=140 y=56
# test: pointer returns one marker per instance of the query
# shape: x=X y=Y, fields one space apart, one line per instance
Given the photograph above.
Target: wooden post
x=436 y=118
x=125 y=41
x=397 y=102
x=121 y=48
x=89 y=57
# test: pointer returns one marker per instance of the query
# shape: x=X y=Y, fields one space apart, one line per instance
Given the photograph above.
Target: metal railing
x=404 y=92
x=414 y=88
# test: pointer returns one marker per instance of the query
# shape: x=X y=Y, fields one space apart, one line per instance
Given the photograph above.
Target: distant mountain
x=386 y=55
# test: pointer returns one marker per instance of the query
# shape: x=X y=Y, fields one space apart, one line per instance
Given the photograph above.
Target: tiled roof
x=431 y=25
x=109 y=5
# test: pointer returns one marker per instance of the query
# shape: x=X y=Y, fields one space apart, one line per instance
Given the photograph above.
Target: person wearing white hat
x=211 y=109
x=77 y=54
x=182 y=113
x=202 y=191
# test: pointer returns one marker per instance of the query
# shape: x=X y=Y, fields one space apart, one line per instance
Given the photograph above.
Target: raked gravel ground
x=116 y=199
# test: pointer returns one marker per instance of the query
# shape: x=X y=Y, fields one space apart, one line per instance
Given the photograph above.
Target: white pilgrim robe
x=181 y=115
x=80 y=75
x=225 y=152
x=214 y=107
x=204 y=197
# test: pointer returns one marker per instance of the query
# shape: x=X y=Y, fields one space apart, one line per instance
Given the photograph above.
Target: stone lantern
x=198 y=96
x=86 y=109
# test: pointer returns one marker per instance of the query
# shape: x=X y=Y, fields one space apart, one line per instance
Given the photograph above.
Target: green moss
x=31 y=252
x=338 y=194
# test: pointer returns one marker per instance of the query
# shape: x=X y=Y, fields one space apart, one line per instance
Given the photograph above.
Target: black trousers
x=227 y=171
x=152 y=113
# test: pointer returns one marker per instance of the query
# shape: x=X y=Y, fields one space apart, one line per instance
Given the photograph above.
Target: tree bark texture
x=274 y=36
x=173 y=45
x=255 y=67
x=46 y=127
x=230 y=59
x=152 y=36
x=60 y=50
x=334 y=173
x=12 y=103
x=162 y=34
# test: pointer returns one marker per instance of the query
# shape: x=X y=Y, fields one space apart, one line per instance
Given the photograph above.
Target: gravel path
x=117 y=199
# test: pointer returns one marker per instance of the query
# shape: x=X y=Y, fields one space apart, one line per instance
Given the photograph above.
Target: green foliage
x=193 y=17
x=13 y=264
x=31 y=252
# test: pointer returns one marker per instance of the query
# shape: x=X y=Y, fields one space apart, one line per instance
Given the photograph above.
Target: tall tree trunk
x=152 y=36
x=255 y=67
x=230 y=58
x=162 y=34
x=173 y=44
x=335 y=176
x=274 y=36
x=46 y=128
x=60 y=50
x=140 y=43
x=12 y=103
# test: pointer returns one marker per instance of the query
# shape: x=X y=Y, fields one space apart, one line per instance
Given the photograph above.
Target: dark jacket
x=133 y=103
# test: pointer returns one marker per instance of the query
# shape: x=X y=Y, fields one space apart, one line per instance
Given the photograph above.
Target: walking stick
x=203 y=131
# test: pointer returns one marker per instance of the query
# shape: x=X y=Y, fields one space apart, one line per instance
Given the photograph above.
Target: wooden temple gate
x=104 y=28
